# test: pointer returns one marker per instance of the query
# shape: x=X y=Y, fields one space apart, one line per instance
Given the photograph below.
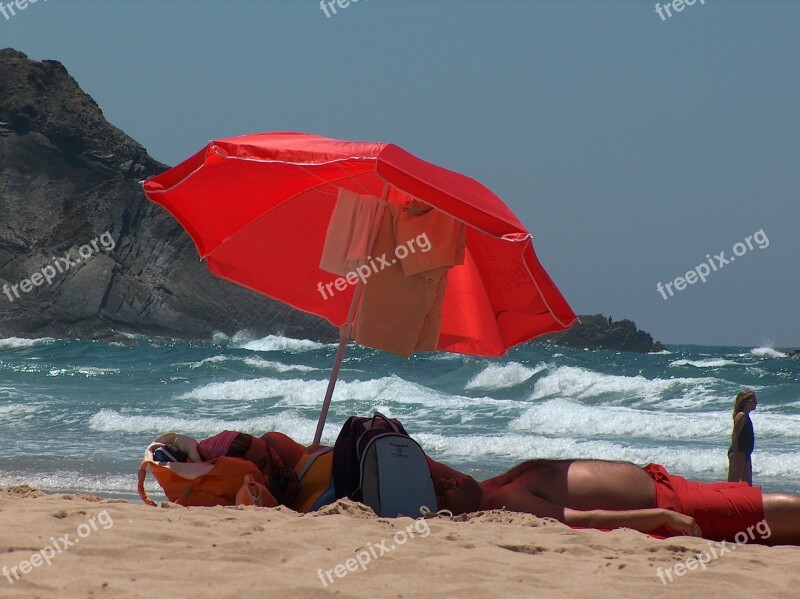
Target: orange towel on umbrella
x=347 y=239
x=401 y=306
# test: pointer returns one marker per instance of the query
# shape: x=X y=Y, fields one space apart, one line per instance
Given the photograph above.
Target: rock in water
x=595 y=332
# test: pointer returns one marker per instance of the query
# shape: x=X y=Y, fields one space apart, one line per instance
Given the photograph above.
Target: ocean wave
x=310 y=393
x=276 y=343
x=580 y=383
x=767 y=352
x=712 y=363
x=204 y=361
x=297 y=427
x=277 y=366
x=570 y=419
x=502 y=376
x=254 y=362
x=88 y=371
x=15 y=411
x=18 y=342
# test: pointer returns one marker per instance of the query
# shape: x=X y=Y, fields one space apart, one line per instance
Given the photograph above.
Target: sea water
x=77 y=415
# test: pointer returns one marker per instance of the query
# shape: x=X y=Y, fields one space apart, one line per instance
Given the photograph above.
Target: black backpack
x=376 y=462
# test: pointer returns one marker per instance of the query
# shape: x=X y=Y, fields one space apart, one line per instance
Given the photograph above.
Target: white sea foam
x=204 y=361
x=277 y=366
x=16 y=411
x=275 y=343
x=79 y=481
x=502 y=376
x=297 y=427
x=300 y=392
x=89 y=371
x=219 y=338
x=712 y=363
x=254 y=362
x=567 y=418
x=580 y=383
x=767 y=352
x=17 y=342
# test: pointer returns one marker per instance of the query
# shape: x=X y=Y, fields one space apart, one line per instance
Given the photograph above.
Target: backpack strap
x=313 y=454
x=392 y=425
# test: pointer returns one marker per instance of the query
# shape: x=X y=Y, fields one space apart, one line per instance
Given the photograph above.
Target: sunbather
x=274 y=454
x=603 y=494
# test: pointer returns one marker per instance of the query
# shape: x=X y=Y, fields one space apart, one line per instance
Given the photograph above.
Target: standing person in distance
x=740 y=467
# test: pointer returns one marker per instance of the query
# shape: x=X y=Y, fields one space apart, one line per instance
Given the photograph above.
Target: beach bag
x=376 y=462
x=198 y=483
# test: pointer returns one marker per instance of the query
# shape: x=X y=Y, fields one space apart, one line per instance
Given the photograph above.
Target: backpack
x=376 y=462
x=226 y=481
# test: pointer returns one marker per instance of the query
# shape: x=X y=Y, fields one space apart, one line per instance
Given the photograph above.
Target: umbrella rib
x=542 y=295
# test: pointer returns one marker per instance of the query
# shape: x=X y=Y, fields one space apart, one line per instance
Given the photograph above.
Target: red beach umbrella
x=260 y=207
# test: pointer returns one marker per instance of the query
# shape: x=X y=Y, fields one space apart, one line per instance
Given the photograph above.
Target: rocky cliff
x=84 y=254
x=67 y=177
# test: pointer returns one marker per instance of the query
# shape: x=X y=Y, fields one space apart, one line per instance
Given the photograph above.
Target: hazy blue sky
x=629 y=145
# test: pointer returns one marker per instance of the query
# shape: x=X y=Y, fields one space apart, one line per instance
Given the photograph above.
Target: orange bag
x=198 y=483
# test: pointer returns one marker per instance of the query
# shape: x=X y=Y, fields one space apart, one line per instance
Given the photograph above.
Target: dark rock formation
x=597 y=332
x=793 y=353
x=67 y=177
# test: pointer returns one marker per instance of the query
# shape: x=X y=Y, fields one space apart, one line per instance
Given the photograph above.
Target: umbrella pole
x=346 y=329
x=344 y=337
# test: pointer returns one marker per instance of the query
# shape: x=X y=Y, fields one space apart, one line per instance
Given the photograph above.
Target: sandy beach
x=112 y=548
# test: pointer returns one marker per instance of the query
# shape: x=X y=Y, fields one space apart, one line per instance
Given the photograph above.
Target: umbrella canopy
x=258 y=208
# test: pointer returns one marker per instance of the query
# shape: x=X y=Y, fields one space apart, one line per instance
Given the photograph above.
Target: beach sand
x=125 y=549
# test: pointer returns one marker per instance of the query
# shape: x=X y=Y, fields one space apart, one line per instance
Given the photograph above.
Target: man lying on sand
x=604 y=494
x=595 y=494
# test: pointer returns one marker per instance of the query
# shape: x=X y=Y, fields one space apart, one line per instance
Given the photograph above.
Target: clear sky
x=630 y=144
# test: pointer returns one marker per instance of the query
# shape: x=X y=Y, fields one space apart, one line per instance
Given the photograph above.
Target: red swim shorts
x=722 y=510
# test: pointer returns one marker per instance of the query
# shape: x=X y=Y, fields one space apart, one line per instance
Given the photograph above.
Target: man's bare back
x=579 y=484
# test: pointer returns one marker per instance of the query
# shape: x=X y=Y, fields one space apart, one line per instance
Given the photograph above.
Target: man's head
x=459 y=495
x=281 y=481
x=254 y=450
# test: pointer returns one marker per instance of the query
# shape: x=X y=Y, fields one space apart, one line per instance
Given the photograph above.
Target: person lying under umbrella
x=607 y=494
